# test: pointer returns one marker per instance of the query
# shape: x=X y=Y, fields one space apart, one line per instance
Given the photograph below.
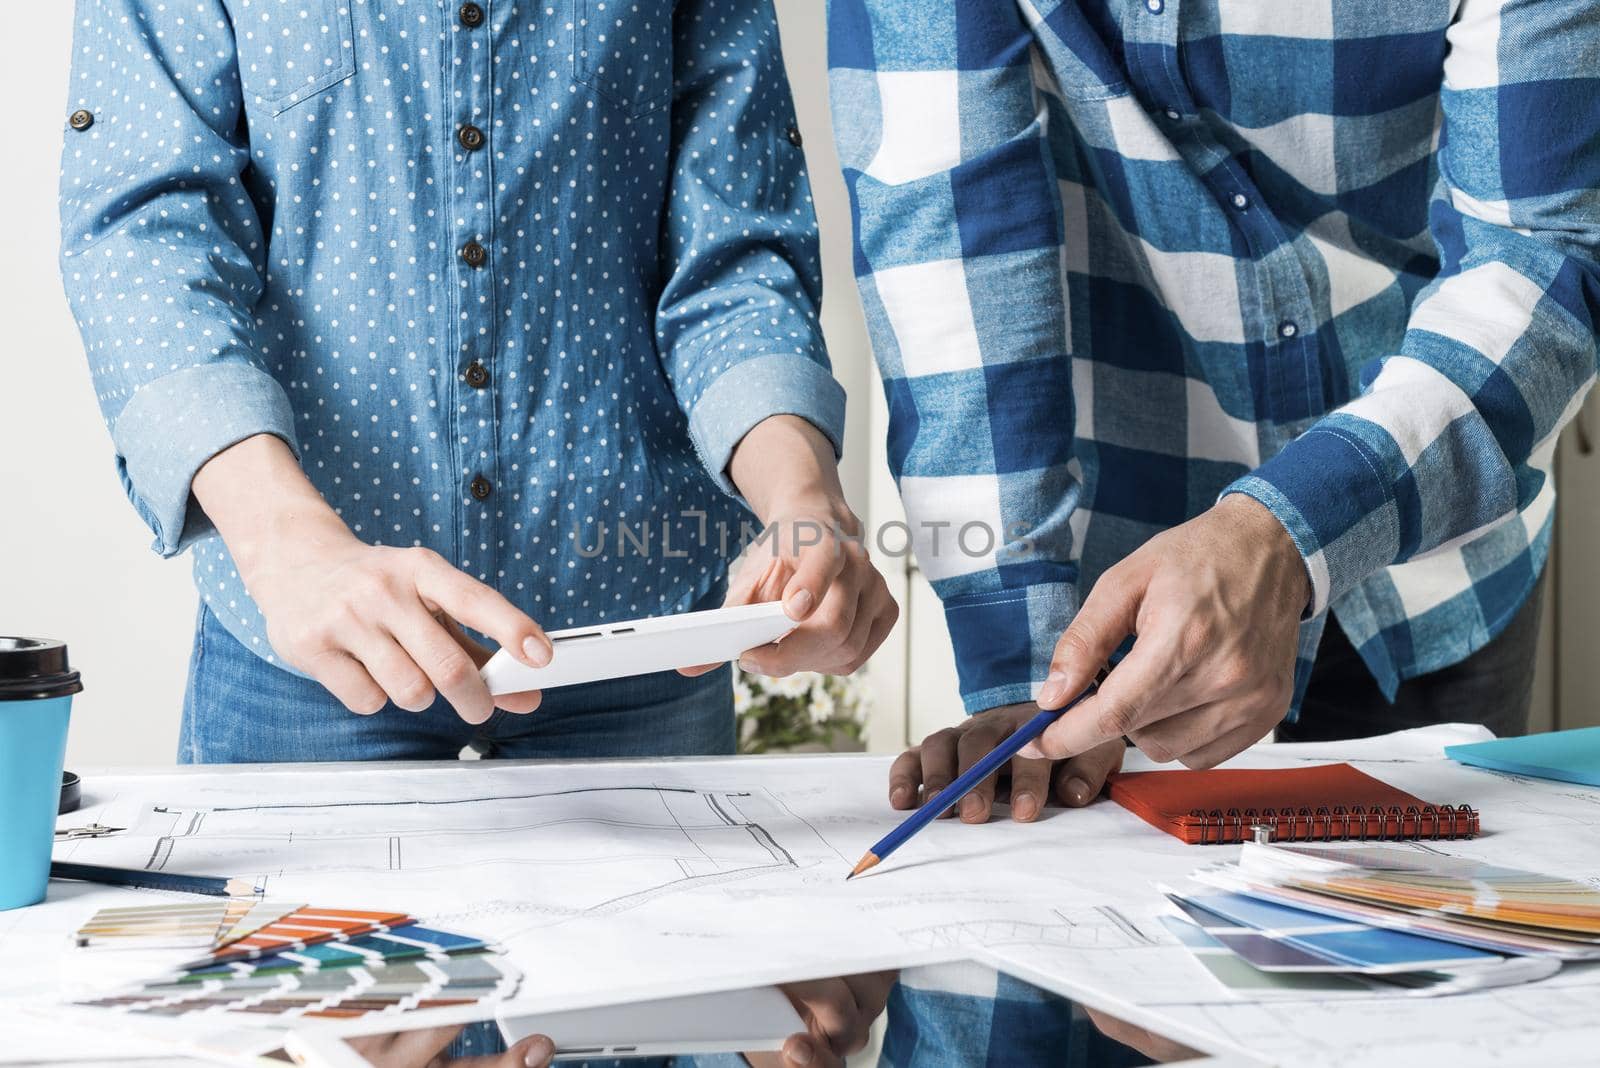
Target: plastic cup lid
x=35 y=668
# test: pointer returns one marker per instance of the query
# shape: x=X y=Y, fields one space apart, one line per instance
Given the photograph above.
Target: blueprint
x=616 y=881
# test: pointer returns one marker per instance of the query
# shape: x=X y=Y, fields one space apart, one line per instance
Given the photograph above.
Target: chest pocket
x=622 y=52
x=291 y=50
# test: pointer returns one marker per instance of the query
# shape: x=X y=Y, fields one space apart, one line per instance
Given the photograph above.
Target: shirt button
x=80 y=119
x=1154 y=6
x=1173 y=115
x=477 y=375
x=1241 y=201
x=1287 y=329
x=475 y=254
x=471 y=138
x=480 y=488
x=793 y=134
x=471 y=16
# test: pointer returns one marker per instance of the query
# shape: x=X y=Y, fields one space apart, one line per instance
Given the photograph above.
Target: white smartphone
x=740 y=1021
x=641 y=646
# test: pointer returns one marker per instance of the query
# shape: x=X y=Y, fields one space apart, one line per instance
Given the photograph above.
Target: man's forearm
x=256 y=494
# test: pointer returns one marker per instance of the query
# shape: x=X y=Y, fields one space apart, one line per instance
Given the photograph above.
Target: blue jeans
x=241 y=709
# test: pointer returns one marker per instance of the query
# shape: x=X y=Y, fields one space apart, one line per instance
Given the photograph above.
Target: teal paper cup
x=36 y=688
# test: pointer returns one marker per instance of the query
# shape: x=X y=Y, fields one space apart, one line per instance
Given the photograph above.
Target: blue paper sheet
x=1567 y=756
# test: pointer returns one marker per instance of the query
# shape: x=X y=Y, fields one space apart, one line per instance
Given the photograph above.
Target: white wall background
x=74 y=560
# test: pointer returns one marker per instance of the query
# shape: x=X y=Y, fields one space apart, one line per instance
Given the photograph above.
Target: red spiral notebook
x=1326 y=802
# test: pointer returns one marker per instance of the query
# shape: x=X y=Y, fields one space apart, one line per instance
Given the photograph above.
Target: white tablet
x=739 y=1021
x=641 y=646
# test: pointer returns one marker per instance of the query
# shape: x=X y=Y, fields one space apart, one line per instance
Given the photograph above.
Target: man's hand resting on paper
x=1028 y=785
x=1215 y=605
x=838 y=1015
x=811 y=555
x=372 y=624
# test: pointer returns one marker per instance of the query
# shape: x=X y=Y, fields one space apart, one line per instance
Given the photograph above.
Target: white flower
x=742 y=697
x=822 y=706
x=800 y=684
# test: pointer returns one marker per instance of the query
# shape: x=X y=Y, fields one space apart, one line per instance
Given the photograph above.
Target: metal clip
x=1261 y=833
x=93 y=830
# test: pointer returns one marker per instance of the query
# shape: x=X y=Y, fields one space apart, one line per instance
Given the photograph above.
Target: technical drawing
x=585 y=851
x=1102 y=927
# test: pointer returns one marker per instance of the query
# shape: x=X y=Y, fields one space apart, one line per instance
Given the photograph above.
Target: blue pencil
x=941 y=802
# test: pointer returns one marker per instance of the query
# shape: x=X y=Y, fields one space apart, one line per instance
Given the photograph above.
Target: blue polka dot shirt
x=508 y=276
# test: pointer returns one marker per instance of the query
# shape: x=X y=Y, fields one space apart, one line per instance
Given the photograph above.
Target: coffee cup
x=36 y=688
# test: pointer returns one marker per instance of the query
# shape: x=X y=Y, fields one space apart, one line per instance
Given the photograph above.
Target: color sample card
x=1355 y=946
x=308 y=926
x=1446 y=885
x=252 y=915
x=377 y=948
x=1256 y=949
x=174 y=926
x=1239 y=976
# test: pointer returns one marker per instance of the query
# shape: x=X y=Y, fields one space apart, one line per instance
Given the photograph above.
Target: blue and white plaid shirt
x=1119 y=257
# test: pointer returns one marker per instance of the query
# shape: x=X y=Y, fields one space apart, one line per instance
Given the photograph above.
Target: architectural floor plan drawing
x=579 y=850
x=1102 y=927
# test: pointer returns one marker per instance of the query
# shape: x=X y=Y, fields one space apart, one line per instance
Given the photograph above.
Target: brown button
x=471 y=138
x=475 y=254
x=480 y=488
x=80 y=119
x=477 y=375
x=794 y=137
x=471 y=16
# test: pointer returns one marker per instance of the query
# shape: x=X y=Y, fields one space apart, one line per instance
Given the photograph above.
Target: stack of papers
x=1408 y=921
x=278 y=962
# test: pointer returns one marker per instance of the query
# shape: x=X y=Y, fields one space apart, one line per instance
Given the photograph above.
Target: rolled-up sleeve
x=162 y=251
x=737 y=322
x=1452 y=436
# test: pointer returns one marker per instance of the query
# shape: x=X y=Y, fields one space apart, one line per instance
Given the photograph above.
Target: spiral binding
x=1337 y=824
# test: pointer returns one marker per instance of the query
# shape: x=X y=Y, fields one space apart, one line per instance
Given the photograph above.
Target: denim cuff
x=171 y=427
x=758 y=388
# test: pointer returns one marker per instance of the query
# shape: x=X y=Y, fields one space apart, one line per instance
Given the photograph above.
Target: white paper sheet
x=620 y=881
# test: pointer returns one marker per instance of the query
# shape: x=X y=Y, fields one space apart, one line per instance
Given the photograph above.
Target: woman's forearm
x=256 y=495
x=785 y=466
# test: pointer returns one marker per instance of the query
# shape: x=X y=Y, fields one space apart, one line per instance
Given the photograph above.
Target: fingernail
x=970 y=807
x=540 y=1050
x=748 y=664
x=900 y=795
x=799 y=606
x=1024 y=806
x=800 y=1052
x=537 y=652
x=1079 y=791
x=1053 y=690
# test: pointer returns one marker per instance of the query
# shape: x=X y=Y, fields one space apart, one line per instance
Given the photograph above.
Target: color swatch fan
x=1451 y=887
x=294 y=961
